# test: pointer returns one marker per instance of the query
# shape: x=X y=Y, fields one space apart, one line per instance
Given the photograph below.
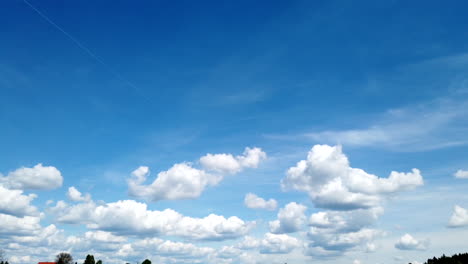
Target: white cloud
x=407 y=242
x=19 y=226
x=371 y=247
x=227 y=163
x=431 y=125
x=248 y=243
x=461 y=174
x=270 y=244
x=36 y=178
x=340 y=242
x=278 y=244
x=103 y=237
x=13 y=202
x=356 y=261
x=20 y=259
x=76 y=196
x=228 y=252
x=345 y=221
x=335 y=232
x=133 y=218
x=291 y=218
x=181 y=181
x=459 y=217
x=331 y=183
x=252 y=201
x=169 y=248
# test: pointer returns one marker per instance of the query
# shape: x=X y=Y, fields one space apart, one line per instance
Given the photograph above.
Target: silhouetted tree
x=2 y=256
x=455 y=259
x=64 y=258
x=146 y=261
x=99 y=262
x=89 y=260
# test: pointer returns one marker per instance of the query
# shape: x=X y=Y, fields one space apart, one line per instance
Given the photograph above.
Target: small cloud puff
x=407 y=242
x=459 y=217
x=461 y=174
x=254 y=202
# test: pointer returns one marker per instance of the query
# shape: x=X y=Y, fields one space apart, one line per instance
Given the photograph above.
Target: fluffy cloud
x=133 y=218
x=254 y=202
x=228 y=252
x=36 y=178
x=270 y=244
x=105 y=237
x=227 y=163
x=334 y=232
x=248 y=243
x=331 y=183
x=19 y=226
x=181 y=181
x=335 y=243
x=459 y=217
x=74 y=195
x=461 y=174
x=169 y=248
x=291 y=218
x=13 y=202
x=407 y=242
x=345 y=221
x=278 y=244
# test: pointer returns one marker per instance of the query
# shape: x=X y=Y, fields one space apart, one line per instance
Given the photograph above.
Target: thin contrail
x=87 y=50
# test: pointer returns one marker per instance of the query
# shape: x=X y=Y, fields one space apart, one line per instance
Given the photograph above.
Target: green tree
x=89 y=260
x=146 y=261
x=64 y=258
x=99 y=262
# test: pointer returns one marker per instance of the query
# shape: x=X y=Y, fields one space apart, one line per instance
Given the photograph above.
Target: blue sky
x=174 y=111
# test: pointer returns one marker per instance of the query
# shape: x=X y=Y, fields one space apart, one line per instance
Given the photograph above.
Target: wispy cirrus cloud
x=430 y=125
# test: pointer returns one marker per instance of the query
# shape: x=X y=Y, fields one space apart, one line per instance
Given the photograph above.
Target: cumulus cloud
x=105 y=237
x=461 y=174
x=252 y=201
x=36 y=178
x=407 y=242
x=129 y=217
x=270 y=244
x=15 y=203
x=248 y=243
x=19 y=226
x=345 y=221
x=340 y=242
x=227 y=163
x=291 y=218
x=76 y=196
x=332 y=233
x=278 y=244
x=331 y=183
x=459 y=217
x=181 y=181
x=169 y=248
x=228 y=252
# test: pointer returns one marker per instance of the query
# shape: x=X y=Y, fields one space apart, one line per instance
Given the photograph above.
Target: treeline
x=66 y=258
x=455 y=259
